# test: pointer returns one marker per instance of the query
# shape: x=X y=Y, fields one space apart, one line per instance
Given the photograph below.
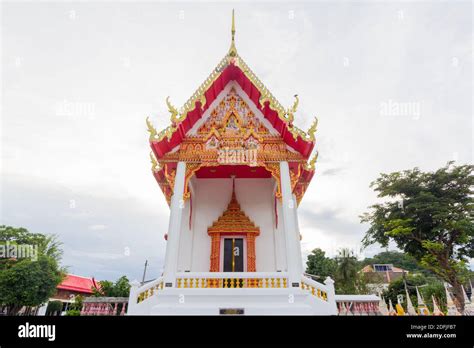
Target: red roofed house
x=72 y=286
x=379 y=276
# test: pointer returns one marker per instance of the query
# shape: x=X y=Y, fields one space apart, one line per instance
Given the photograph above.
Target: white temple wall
x=256 y=200
x=280 y=240
x=185 y=241
x=210 y=200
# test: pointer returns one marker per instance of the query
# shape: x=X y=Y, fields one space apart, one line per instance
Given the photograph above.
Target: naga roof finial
x=290 y=112
x=312 y=163
x=151 y=130
x=313 y=129
x=154 y=164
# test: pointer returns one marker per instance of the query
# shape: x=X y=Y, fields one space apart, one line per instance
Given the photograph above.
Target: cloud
x=332 y=171
x=97 y=227
x=327 y=229
x=129 y=235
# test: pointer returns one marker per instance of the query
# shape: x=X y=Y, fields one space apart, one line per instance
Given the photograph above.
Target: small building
x=379 y=276
x=69 y=288
x=74 y=285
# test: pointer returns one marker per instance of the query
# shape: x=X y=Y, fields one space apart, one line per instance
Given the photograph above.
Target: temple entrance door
x=233 y=255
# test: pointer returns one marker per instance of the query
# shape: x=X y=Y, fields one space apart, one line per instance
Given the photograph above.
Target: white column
x=291 y=230
x=331 y=295
x=186 y=236
x=174 y=229
x=133 y=297
x=298 y=233
x=280 y=242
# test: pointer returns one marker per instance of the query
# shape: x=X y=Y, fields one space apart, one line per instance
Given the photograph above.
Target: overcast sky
x=391 y=84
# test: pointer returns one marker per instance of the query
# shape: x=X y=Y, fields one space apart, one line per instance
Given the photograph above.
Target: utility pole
x=144 y=271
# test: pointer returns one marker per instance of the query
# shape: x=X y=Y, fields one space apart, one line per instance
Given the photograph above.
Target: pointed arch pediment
x=232 y=115
x=233 y=220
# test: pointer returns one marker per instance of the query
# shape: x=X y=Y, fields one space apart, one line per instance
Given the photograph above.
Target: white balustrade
x=315 y=288
x=226 y=280
x=149 y=289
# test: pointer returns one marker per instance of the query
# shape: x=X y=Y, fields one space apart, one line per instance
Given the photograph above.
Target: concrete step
x=248 y=301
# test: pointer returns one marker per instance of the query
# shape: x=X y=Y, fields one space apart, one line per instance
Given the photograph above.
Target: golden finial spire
x=233 y=50
x=233 y=25
x=233 y=188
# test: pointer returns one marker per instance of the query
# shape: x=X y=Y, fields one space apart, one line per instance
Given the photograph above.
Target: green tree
x=73 y=313
x=47 y=245
x=429 y=215
x=320 y=265
x=121 y=288
x=397 y=287
x=427 y=286
x=77 y=304
x=348 y=279
x=436 y=289
x=75 y=307
x=54 y=308
x=28 y=281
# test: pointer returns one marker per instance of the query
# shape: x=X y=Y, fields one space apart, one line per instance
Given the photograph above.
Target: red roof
x=232 y=68
x=78 y=284
x=232 y=73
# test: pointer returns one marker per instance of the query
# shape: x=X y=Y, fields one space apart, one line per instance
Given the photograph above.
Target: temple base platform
x=208 y=296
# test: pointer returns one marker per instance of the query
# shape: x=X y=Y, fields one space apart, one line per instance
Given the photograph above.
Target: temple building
x=233 y=167
x=66 y=291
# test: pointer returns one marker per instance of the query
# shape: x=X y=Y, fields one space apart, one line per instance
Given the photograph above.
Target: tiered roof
x=179 y=141
x=232 y=68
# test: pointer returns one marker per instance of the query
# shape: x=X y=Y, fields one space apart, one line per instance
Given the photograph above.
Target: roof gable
x=232 y=141
x=232 y=69
x=77 y=283
x=231 y=107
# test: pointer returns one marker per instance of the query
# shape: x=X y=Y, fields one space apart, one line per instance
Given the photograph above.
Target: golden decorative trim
x=312 y=130
x=154 y=164
x=175 y=116
x=246 y=131
x=151 y=130
x=191 y=168
x=312 y=163
x=170 y=177
x=321 y=294
x=265 y=95
x=233 y=221
x=232 y=57
x=231 y=282
x=291 y=111
x=150 y=292
x=232 y=50
x=294 y=178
